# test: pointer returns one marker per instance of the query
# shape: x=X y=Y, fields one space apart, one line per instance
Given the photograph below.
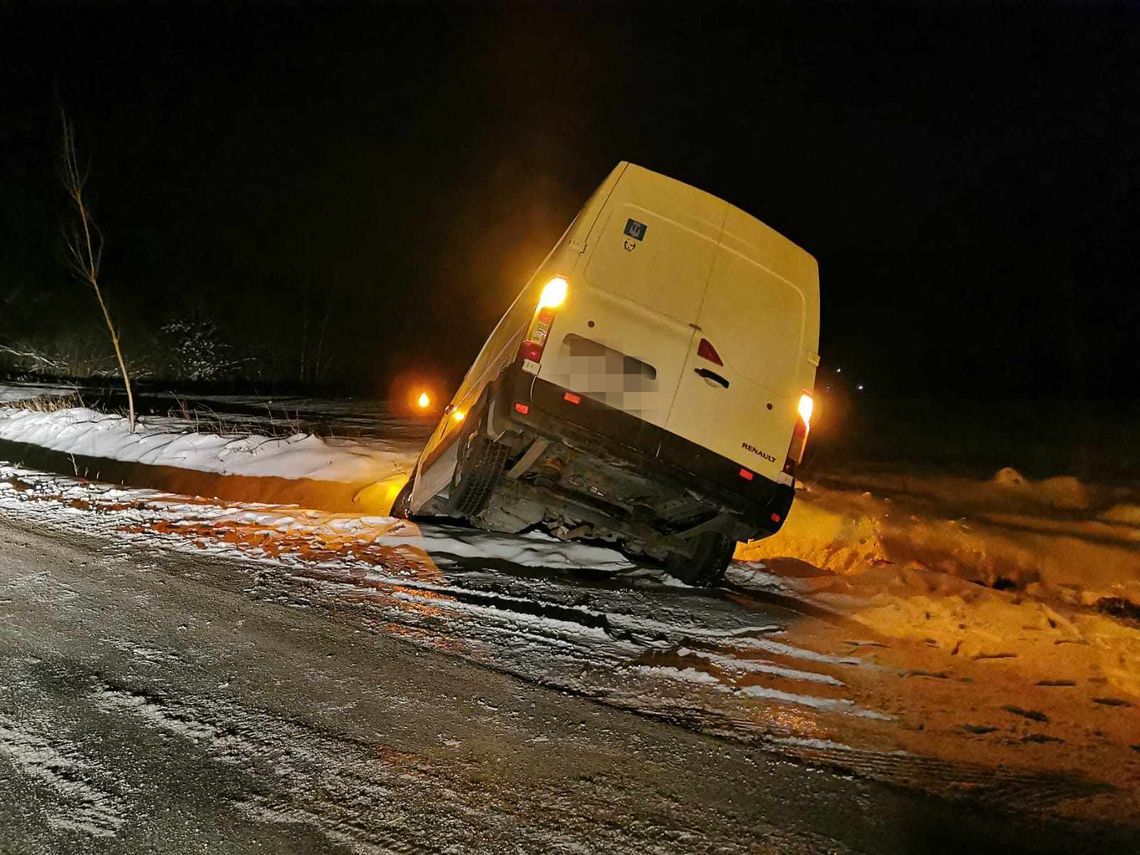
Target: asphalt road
x=156 y=701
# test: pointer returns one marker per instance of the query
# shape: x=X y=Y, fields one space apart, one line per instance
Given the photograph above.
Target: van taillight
x=530 y=351
x=799 y=435
x=532 y=346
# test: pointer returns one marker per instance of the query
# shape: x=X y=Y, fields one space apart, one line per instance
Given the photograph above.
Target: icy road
x=184 y=676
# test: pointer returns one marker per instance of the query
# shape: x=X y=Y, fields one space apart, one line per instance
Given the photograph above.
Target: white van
x=650 y=387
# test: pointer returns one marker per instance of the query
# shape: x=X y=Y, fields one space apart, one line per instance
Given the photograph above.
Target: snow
x=1058 y=539
x=697 y=676
x=809 y=701
x=749 y=665
x=10 y=394
x=1005 y=570
x=687 y=675
x=51 y=761
x=1127 y=515
x=82 y=431
x=532 y=549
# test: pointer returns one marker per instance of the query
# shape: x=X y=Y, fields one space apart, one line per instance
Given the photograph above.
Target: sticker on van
x=635 y=229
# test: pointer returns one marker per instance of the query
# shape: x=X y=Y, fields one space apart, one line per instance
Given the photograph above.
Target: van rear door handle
x=711 y=375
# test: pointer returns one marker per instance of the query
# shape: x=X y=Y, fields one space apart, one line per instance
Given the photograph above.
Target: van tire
x=480 y=463
x=401 y=505
x=707 y=565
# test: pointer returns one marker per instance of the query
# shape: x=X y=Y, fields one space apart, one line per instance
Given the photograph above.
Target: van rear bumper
x=760 y=504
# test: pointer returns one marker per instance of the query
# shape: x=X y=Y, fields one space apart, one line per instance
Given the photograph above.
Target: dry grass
x=195 y=418
x=201 y=419
x=46 y=403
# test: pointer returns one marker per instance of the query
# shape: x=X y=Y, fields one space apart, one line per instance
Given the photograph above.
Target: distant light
x=838 y=370
x=423 y=401
x=553 y=293
x=860 y=387
x=806 y=407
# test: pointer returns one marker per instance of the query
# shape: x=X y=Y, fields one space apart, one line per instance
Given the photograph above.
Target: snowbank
x=9 y=394
x=1006 y=569
x=303 y=457
x=1058 y=538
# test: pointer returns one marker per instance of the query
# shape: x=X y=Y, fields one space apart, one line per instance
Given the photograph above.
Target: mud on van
x=650 y=386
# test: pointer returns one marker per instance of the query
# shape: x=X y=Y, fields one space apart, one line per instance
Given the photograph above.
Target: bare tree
x=32 y=355
x=85 y=246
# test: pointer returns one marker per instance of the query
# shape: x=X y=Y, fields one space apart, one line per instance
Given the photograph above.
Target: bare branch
x=32 y=355
x=85 y=245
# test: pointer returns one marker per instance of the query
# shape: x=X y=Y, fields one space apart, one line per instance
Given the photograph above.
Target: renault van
x=650 y=387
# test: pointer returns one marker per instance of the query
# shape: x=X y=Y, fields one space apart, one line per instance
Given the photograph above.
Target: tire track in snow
x=373 y=799
x=333 y=786
x=83 y=807
x=532 y=627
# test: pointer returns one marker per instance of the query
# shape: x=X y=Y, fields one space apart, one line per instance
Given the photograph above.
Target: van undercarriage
x=535 y=454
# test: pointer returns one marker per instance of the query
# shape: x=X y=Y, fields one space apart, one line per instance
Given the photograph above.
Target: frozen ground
x=951 y=639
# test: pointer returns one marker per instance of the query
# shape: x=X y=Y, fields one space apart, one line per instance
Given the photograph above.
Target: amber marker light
x=553 y=294
x=805 y=408
x=799 y=435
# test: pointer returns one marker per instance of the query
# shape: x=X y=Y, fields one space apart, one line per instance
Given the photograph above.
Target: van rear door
x=624 y=333
x=759 y=308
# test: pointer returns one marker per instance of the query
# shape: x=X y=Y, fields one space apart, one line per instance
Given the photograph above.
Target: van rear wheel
x=707 y=565
x=477 y=471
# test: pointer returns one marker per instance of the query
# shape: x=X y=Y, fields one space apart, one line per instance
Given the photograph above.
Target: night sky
x=967 y=175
